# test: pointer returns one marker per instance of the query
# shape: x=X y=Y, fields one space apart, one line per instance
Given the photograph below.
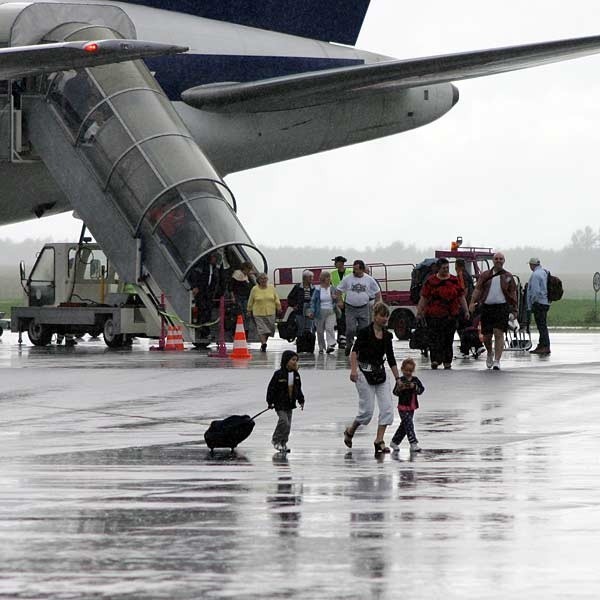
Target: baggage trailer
x=73 y=290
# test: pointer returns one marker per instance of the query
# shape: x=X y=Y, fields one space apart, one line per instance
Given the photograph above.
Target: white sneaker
x=415 y=447
x=496 y=365
x=480 y=351
x=394 y=446
x=489 y=361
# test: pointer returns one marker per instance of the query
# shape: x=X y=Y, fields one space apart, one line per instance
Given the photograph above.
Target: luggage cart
x=518 y=339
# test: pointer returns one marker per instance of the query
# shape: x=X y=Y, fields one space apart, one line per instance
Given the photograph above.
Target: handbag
x=374 y=374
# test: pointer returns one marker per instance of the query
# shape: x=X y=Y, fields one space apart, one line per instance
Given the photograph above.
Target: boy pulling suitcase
x=284 y=390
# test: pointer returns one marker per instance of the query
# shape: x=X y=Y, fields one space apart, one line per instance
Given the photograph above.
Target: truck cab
x=73 y=289
x=69 y=272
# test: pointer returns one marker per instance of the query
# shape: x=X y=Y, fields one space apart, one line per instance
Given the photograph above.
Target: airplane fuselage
x=235 y=141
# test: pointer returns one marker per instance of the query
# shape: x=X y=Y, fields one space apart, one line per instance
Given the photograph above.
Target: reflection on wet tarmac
x=107 y=489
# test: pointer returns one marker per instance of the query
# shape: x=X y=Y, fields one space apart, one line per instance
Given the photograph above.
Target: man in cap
x=337 y=275
x=538 y=304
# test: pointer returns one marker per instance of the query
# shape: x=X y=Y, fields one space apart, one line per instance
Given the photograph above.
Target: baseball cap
x=534 y=261
x=340 y=259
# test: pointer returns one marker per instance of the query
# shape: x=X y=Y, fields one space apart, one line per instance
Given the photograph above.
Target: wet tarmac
x=107 y=489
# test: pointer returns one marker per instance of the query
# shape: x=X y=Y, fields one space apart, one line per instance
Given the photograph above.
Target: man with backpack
x=538 y=303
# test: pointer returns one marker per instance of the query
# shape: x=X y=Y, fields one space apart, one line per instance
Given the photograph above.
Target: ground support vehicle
x=73 y=290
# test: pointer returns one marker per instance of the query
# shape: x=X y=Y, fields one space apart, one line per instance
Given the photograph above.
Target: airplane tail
x=327 y=20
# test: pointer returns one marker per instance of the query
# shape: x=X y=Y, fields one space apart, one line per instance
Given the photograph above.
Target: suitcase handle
x=260 y=413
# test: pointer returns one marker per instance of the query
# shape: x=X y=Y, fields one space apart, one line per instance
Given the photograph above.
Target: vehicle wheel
x=111 y=338
x=402 y=322
x=38 y=334
x=1 y=331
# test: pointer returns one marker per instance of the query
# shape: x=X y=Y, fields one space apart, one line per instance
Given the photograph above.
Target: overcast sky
x=515 y=162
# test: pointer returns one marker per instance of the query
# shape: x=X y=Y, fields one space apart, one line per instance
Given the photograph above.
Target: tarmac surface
x=107 y=489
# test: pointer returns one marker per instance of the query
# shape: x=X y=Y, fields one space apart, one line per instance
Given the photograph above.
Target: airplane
x=139 y=150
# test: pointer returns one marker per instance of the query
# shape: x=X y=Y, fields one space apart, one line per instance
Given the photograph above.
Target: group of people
x=444 y=297
x=372 y=347
x=448 y=300
x=343 y=298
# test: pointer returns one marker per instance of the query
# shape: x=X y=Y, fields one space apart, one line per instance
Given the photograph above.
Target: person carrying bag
x=367 y=371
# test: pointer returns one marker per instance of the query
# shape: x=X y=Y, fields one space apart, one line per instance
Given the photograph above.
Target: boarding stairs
x=133 y=173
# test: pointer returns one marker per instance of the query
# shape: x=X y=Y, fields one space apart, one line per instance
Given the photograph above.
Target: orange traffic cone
x=174 y=339
x=240 y=346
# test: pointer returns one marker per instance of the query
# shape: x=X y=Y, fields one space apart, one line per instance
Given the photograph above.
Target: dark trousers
x=540 y=313
x=283 y=427
x=441 y=339
x=406 y=427
x=341 y=325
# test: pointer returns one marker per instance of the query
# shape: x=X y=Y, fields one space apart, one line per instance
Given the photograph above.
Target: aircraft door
x=41 y=283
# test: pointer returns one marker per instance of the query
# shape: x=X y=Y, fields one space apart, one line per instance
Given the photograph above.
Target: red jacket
x=443 y=296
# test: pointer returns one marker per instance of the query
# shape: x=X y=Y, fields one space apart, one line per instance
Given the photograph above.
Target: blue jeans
x=540 y=313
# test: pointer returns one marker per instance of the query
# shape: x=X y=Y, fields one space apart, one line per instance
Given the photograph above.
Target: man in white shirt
x=359 y=289
x=496 y=293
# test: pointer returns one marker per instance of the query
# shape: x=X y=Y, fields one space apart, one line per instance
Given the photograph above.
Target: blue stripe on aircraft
x=328 y=20
x=180 y=72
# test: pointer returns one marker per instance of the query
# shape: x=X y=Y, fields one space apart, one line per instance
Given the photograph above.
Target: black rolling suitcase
x=230 y=432
x=305 y=342
x=420 y=337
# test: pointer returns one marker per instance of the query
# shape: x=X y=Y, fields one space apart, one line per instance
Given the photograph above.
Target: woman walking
x=373 y=344
x=323 y=306
x=263 y=305
x=442 y=299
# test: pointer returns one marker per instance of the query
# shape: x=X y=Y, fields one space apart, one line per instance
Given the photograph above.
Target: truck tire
x=38 y=334
x=402 y=321
x=112 y=339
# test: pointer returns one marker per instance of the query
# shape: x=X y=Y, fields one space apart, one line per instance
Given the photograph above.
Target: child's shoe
x=395 y=447
x=414 y=447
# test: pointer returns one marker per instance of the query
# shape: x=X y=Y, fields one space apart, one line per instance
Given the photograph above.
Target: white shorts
x=367 y=394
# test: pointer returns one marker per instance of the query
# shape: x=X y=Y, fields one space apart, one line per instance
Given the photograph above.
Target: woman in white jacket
x=323 y=307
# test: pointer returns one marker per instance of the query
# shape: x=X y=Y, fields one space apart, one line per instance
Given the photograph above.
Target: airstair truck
x=73 y=289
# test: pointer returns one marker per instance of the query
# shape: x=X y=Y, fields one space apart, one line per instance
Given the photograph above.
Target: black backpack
x=554 y=287
x=417 y=278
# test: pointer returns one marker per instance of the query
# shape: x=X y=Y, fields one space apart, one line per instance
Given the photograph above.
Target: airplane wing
x=296 y=91
x=22 y=61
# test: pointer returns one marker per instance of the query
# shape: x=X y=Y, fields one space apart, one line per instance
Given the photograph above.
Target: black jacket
x=296 y=297
x=405 y=396
x=372 y=350
x=278 y=394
